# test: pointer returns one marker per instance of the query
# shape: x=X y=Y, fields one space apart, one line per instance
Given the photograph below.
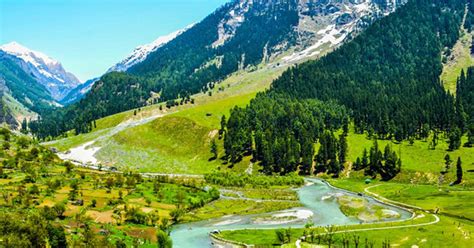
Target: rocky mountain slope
x=31 y=83
x=47 y=71
x=241 y=35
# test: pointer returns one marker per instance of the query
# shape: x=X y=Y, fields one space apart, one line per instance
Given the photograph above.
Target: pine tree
x=458 y=171
x=307 y=153
x=470 y=136
x=24 y=126
x=213 y=149
x=455 y=139
x=461 y=116
x=357 y=164
x=365 y=159
x=434 y=141
x=342 y=149
x=447 y=163
x=223 y=125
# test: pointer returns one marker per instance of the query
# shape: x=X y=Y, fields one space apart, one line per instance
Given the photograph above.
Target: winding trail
x=366 y=190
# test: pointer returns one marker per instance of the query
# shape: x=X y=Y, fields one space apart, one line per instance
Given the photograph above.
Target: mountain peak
x=16 y=49
x=49 y=72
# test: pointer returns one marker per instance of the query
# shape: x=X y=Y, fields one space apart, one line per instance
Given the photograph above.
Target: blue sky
x=88 y=36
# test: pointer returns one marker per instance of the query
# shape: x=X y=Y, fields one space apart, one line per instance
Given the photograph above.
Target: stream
x=319 y=205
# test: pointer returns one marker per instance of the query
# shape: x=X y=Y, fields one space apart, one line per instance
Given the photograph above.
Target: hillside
x=21 y=93
x=47 y=71
x=388 y=80
x=32 y=83
x=219 y=45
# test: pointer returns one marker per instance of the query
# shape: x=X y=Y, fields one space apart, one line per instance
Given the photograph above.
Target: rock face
x=5 y=112
x=324 y=23
x=44 y=69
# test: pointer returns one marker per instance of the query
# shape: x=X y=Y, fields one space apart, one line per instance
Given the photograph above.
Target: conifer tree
x=459 y=172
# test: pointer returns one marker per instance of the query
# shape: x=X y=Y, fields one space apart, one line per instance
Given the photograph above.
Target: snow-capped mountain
x=79 y=92
x=45 y=70
x=140 y=53
x=325 y=24
x=320 y=24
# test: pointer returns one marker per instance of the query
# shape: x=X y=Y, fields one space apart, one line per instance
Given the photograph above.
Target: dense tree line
x=386 y=79
x=465 y=104
x=280 y=132
x=389 y=75
x=332 y=154
x=386 y=163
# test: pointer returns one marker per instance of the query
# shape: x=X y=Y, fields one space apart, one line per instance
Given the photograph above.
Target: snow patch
x=14 y=48
x=83 y=154
x=331 y=35
x=227 y=27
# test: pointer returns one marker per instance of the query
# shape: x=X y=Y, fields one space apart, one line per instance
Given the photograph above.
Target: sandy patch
x=213 y=133
x=147 y=210
x=388 y=213
x=227 y=222
x=101 y=217
x=419 y=216
x=284 y=217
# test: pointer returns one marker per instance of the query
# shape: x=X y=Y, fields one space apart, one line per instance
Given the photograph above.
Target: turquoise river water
x=318 y=204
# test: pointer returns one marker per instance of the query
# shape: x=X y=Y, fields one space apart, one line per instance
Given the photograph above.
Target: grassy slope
x=19 y=111
x=419 y=162
x=178 y=142
x=460 y=59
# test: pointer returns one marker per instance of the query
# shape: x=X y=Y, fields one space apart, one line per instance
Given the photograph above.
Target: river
x=319 y=205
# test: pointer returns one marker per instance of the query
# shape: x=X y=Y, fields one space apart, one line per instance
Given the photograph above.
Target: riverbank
x=426 y=227
x=314 y=210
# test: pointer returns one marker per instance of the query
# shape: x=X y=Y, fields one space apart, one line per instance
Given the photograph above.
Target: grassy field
x=450 y=230
x=420 y=163
x=223 y=207
x=417 y=184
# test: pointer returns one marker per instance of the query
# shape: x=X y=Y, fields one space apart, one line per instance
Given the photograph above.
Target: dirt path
x=366 y=190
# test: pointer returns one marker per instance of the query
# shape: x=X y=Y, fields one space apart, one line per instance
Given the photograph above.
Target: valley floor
x=443 y=218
